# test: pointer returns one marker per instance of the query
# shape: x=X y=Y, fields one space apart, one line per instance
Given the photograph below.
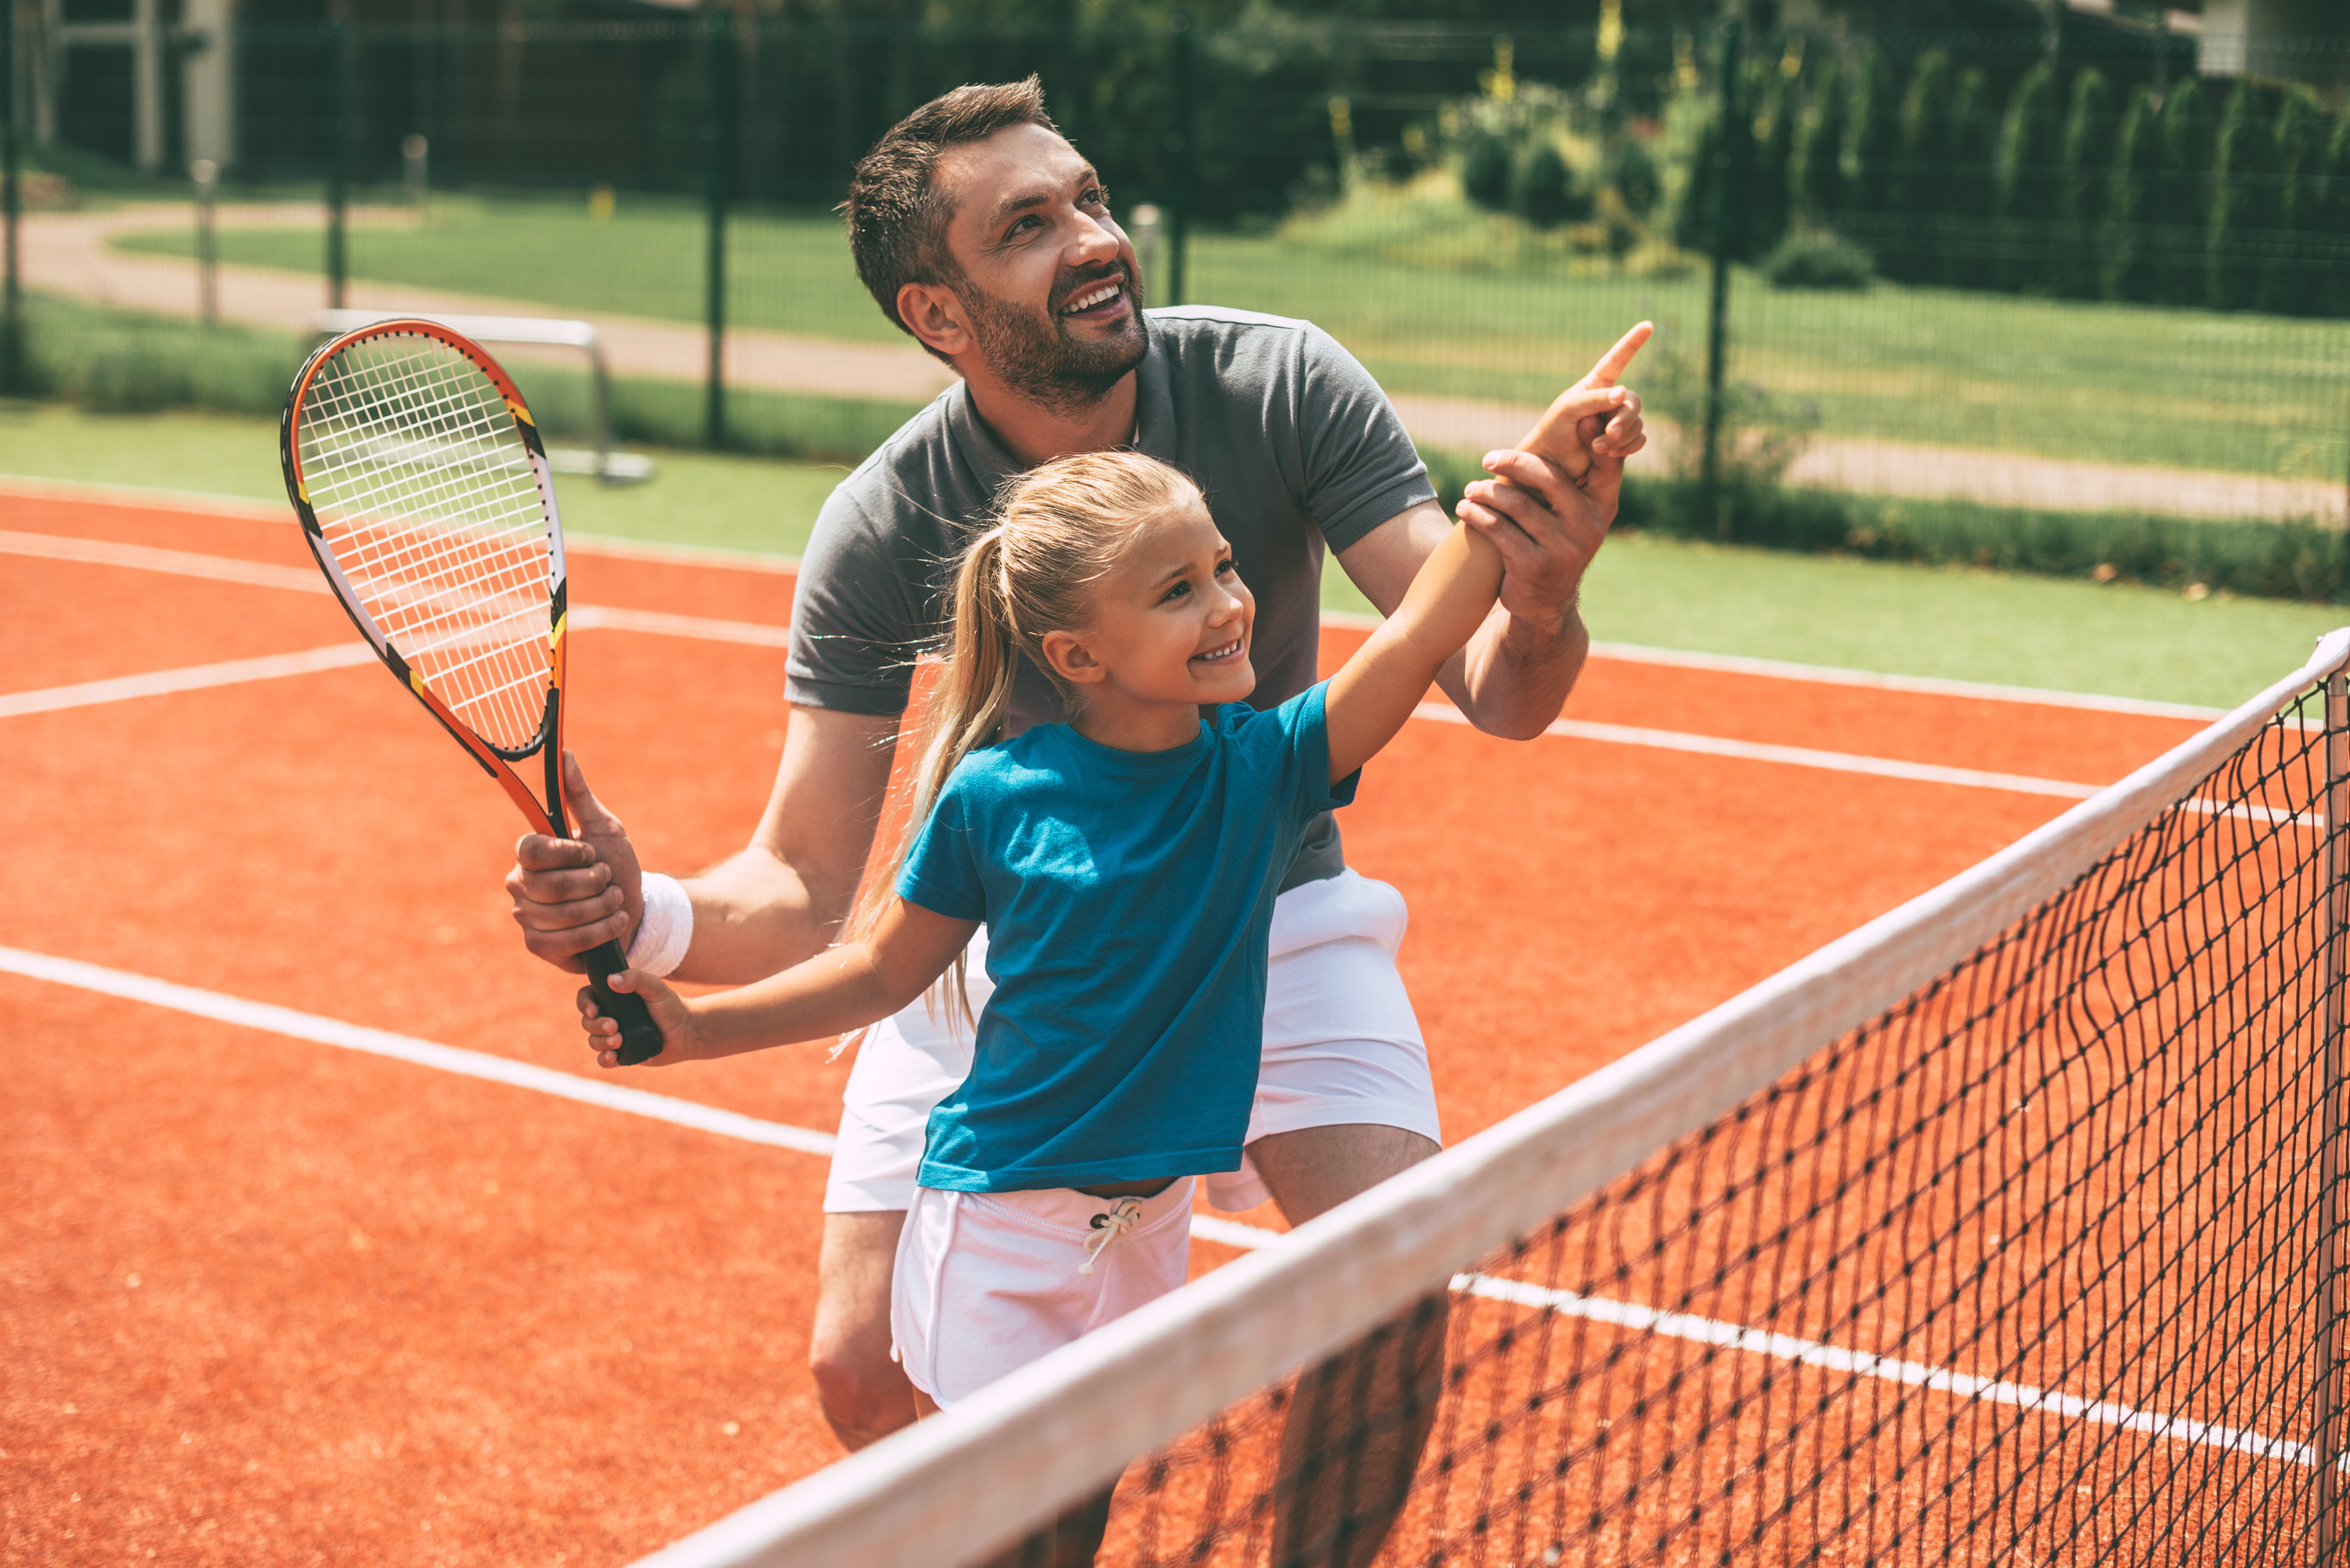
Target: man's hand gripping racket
x=424 y=495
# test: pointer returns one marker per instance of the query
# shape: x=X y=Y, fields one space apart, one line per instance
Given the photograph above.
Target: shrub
x=2243 y=203
x=1543 y=193
x=1485 y=171
x=2332 y=222
x=1817 y=259
x=1875 y=137
x=2089 y=154
x=2029 y=186
x=2178 y=212
x=2291 y=283
x=1819 y=148
x=2131 y=196
x=1961 y=257
x=1914 y=191
x=1633 y=173
x=1768 y=199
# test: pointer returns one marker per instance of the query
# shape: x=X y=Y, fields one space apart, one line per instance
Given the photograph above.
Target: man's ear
x=934 y=314
x=1068 y=657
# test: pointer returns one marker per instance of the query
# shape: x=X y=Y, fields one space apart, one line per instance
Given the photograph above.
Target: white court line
x=1793 y=756
x=603 y=618
x=149 y=559
x=591 y=617
x=1829 y=675
x=1909 y=1374
x=764 y=561
x=274 y=1020
x=284 y=1021
x=193 y=677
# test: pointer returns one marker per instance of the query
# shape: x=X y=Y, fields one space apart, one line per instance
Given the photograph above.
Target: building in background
x=151 y=83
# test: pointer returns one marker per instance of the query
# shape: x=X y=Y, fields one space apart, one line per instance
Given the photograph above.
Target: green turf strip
x=1957 y=623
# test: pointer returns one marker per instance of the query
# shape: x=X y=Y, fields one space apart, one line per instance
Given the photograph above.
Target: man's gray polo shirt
x=1294 y=444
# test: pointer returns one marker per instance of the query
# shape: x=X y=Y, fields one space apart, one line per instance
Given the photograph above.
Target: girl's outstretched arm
x=1377 y=689
x=841 y=989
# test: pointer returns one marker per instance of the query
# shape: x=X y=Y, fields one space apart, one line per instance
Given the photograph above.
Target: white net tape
x=426 y=498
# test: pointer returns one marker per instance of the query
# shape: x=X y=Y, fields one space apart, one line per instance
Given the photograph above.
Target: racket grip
x=639 y=1040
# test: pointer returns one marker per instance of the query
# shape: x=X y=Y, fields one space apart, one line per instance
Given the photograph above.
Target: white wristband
x=667 y=928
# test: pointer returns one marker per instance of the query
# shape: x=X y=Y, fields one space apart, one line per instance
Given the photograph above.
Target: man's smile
x=1097 y=301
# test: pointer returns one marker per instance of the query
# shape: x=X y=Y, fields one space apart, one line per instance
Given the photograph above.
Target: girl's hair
x=1058 y=530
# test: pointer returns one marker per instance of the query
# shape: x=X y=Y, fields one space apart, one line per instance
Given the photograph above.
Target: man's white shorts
x=986 y=1283
x=1341 y=1046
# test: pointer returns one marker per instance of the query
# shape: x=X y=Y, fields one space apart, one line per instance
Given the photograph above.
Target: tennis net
x=2008 y=1227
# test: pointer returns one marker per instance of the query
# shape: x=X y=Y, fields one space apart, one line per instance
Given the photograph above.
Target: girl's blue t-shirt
x=1128 y=902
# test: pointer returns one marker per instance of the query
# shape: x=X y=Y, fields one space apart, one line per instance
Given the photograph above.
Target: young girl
x=1124 y=866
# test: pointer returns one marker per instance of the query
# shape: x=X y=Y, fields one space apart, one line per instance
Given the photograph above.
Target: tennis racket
x=425 y=497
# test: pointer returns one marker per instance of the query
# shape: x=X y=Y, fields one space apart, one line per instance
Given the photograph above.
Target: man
x=982 y=233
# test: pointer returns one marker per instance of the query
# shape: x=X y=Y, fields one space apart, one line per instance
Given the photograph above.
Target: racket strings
x=427 y=499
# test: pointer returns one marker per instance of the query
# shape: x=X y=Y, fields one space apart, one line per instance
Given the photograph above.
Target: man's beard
x=1037 y=357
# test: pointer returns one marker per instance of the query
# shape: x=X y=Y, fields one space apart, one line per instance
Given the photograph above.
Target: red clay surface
x=385 y=1314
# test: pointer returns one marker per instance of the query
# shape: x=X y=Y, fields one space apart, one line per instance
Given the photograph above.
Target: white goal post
x=611 y=467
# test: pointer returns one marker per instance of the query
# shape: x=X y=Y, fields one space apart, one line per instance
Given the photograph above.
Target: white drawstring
x=1122 y=1217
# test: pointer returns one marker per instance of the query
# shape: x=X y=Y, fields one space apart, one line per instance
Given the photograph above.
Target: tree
x=2028 y=193
x=2242 y=233
x=2175 y=237
x=2291 y=283
x=1915 y=189
x=2088 y=161
x=2132 y=195
x=1968 y=184
x=1820 y=148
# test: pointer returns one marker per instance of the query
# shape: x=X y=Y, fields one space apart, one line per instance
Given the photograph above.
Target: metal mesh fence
x=2011 y=294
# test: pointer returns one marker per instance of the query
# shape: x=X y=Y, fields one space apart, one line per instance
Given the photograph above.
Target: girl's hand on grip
x=671 y=1016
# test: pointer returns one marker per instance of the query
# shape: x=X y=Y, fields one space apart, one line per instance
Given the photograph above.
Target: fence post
x=1725 y=214
x=717 y=133
x=206 y=175
x=2326 y=1445
x=12 y=295
x=1178 y=143
x=338 y=160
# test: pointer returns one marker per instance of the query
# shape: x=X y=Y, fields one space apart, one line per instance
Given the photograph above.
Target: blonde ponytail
x=1058 y=529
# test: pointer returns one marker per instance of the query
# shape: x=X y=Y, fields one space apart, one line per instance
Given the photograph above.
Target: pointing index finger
x=1618 y=359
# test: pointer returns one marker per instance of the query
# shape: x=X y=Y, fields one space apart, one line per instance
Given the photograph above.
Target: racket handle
x=639 y=1040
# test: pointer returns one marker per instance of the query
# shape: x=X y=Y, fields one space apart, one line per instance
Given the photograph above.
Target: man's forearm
x=755 y=916
x=1515 y=674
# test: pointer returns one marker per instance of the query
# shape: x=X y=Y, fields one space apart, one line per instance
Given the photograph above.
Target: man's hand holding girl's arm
x=839 y=990
x=1547 y=511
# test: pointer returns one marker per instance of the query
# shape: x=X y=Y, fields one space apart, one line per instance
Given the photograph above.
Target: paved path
x=67 y=253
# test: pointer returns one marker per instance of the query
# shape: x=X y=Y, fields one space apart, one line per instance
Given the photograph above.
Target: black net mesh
x=2038 y=1265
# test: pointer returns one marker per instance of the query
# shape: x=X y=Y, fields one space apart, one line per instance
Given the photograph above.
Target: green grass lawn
x=1865 y=615
x=2121 y=384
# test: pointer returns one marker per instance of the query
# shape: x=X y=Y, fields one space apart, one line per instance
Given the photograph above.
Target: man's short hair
x=897 y=218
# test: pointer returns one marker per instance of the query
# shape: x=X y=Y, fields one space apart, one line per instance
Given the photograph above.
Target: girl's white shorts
x=986 y=1283
x=1341 y=1047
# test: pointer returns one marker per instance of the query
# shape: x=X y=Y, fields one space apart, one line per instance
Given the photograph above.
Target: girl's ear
x=1067 y=655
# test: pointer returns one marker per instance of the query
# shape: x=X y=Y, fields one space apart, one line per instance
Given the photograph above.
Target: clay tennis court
x=273 y=1300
